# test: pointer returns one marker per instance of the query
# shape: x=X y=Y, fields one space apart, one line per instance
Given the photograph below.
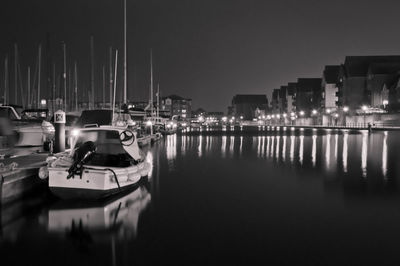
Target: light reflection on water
x=329 y=149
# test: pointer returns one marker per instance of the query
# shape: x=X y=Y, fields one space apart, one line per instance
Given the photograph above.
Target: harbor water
x=315 y=197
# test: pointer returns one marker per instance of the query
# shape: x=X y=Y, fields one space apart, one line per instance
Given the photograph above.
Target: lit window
x=184 y=111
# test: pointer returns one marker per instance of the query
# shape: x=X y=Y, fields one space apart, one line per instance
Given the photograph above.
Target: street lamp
x=364 y=108
x=385 y=102
x=314 y=112
x=328 y=111
x=345 y=109
x=301 y=113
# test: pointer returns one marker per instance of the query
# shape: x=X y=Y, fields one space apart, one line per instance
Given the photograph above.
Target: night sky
x=207 y=50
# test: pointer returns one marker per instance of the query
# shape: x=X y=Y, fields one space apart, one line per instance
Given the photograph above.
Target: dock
x=19 y=176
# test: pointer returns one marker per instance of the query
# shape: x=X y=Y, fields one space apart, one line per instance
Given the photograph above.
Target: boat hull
x=89 y=194
x=95 y=182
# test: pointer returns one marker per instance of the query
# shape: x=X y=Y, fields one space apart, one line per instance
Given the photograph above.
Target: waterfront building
x=177 y=107
x=330 y=89
x=275 y=108
x=291 y=97
x=308 y=94
x=363 y=79
x=246 y=105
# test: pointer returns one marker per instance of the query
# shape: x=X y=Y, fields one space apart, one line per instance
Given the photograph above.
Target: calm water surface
x=314 y=197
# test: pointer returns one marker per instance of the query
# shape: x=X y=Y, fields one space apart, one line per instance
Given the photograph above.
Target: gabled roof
x=357 y=66
x=282 y=91
x=250 y=98
x=176 y=97
x=291 y=87
x=331 y=74
x=308 y=84
x=384 y=68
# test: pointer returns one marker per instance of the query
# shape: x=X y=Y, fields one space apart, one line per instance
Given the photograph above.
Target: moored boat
x=103 y=161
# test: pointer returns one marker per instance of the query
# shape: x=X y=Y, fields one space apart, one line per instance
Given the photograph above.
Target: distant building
x=330 y=89
x=275 y=101
x=308 y=94
x=177 y=107
x=363 y=78
x=291 y=97
x=249 y=105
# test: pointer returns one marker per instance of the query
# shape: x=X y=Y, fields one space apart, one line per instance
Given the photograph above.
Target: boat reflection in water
x=119 y=214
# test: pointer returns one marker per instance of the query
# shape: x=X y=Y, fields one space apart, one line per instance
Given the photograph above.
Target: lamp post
x=345 y=110
x=314 y=114
x=364 y=108
x=385 y=102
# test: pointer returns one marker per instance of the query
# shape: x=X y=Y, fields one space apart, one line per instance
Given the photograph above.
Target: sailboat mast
x=158 y=100
x=76 y=86
x=91 y=97
x=39 y=65
x=65 y=76
x=125 y=60
x=16 y=73
x=151 y=82
x=111 y=76
x=29 y=87
x=115 y=82
x=6 y=80
x=104 y=86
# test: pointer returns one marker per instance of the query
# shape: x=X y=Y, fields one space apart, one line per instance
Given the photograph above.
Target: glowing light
x=241 y=117
x=328 y=111
x=385 y=102
x=284 y=115
x=292 y=114
x=149 y=123
x=43 y=102
x=75 y=132
x=364 y=108
x=336 y=115
x=184 y=124
x=278 y=116
x=301 y=113
x=314 y=112
x=224 y=119
x=345 y=109
x=268 y=117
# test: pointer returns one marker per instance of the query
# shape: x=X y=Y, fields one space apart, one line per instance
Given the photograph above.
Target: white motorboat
x=103 y=161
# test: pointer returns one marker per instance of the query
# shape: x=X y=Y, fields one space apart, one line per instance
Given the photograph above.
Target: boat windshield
x=109 y=149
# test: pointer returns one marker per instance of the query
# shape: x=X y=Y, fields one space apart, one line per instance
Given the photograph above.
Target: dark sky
x=207 y=50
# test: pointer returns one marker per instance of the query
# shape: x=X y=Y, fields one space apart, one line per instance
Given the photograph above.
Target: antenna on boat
x=115 y=83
